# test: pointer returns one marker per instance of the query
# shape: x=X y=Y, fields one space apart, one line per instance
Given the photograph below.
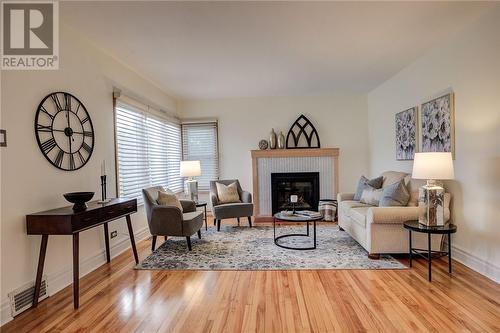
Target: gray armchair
x=169 y=220
x=230 y=210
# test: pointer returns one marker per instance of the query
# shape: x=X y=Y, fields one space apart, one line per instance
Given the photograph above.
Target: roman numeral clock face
x=64 y=131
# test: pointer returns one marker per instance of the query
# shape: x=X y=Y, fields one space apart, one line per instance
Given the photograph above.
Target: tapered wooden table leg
x=76 y=271
x=106 y=240
x=39 y=271
x=132 y=240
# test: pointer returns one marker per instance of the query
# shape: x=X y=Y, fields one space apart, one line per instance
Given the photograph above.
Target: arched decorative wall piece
x=302 y=126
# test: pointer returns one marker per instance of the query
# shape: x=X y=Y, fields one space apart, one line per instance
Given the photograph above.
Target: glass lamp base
x=431 y=204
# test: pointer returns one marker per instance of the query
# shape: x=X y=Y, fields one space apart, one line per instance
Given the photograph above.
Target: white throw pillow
x=371 y=196
x=168 y=199
x=227 y=194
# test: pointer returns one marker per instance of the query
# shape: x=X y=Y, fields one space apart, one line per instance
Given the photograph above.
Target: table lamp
x=432 y=167
x=191 y=169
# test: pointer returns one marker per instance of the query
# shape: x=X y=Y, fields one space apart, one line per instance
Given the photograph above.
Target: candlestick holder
x=103 y=190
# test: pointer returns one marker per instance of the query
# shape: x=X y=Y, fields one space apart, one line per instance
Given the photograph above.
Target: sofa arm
x=345 y=196
x=246 y=197
x=391 y=215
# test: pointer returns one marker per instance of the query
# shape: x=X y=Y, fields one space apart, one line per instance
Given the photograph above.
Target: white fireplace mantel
x=265 y=162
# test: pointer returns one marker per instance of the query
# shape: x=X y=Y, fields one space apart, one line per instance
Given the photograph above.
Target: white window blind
x=199 y=143
x=149 y=151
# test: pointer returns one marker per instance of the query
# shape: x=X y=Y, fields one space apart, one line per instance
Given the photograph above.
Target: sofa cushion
x=363 y=182
x=371 y=196
x=391 y=177
x=345 y=206
x=395 y=195
x=359 y=214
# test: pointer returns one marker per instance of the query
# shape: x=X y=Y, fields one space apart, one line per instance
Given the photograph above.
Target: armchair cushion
x=227 y=193
x=168 y=199
x=232 y=210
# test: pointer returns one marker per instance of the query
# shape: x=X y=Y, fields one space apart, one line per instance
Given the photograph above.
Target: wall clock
x=64 y=131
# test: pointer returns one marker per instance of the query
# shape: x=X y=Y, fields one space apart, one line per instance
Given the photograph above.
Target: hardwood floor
x=117 y=298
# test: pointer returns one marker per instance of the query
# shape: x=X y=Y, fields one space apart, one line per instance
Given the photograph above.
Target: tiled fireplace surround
x=265 y=162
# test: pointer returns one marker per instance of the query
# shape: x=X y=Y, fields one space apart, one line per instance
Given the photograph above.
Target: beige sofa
x=380 y=229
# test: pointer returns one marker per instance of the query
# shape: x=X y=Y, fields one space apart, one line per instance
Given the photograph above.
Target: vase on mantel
x=281 y=141
x=272 y=139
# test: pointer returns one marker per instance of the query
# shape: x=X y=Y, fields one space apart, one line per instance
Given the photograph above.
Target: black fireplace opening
x=303 y=184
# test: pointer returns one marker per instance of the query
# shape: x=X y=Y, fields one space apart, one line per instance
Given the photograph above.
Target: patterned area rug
x=244 y=248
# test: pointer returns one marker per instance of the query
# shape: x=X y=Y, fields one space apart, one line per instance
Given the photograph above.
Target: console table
x=64 y=221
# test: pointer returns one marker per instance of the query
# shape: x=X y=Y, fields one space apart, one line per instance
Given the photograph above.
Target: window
x=148 y=151
x=199 y=143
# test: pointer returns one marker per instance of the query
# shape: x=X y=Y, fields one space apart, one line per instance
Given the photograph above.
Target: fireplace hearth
x=303 y=184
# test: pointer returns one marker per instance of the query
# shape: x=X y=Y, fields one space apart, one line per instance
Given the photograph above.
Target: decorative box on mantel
x=265 y=162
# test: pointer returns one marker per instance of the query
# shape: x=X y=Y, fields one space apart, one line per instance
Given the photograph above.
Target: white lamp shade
x=190 y=168
x=436 y=166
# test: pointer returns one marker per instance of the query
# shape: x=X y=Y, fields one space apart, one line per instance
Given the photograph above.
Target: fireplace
x=303 y=184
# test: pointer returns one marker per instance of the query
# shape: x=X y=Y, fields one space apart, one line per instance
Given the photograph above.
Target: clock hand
x=69 y=136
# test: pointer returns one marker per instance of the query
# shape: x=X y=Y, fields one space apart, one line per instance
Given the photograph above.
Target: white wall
x=339 y=119
x=30 y=183
x=469 y=65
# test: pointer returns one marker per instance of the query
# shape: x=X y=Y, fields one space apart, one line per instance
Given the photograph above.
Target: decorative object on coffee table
x=281 y=141
x=79 y=199
x=429 y=253
x=432 y=167
x=406 y=134
x=295 y=218
x=263 y=144
x=191 y=169
x=64 y=131
x=104 y=195
x=437 y=118
x=272 y=139
x=293 y=201
x=302 y=134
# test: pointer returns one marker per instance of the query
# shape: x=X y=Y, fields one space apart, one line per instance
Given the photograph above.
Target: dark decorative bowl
x=79 y=199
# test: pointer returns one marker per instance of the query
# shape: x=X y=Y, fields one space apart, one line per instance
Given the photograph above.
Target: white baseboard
x=477 y=264
x=60 y=280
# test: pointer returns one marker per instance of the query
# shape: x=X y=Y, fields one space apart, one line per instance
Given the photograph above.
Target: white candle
x=294 y=198
x=103 y=168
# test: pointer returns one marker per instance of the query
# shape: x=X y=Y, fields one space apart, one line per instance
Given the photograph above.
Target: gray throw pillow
x=376 y=183
x=395 y=195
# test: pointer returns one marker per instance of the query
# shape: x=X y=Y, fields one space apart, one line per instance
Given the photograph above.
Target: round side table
x=428 y=254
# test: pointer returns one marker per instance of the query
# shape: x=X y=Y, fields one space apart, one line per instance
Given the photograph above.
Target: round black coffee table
x=428 y=254
x=295 y=218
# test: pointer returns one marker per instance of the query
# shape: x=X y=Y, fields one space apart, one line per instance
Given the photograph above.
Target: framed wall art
x=437 y=123
x=406 y=134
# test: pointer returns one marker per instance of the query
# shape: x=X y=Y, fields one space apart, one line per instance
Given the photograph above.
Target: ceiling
x=198 y=50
